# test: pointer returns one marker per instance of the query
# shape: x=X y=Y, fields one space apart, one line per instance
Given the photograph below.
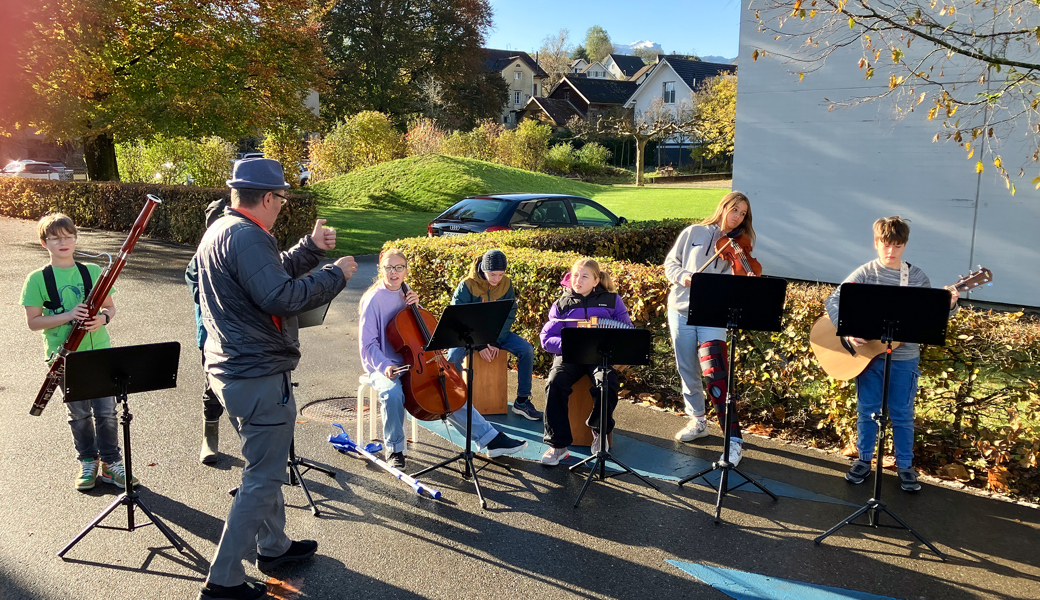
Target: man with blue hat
x=250 y=296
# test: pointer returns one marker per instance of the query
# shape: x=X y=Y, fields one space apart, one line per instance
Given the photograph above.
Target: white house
x=673 y=79
x=622 y=66
x=578 y=65
x=524 y=77
x=596 y=70
x=818 y=178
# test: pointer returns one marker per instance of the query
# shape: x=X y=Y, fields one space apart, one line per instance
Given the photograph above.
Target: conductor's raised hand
x=347 y=265
x=323 y=237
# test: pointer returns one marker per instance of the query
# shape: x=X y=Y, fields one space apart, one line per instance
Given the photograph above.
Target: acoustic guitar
x=841 y=360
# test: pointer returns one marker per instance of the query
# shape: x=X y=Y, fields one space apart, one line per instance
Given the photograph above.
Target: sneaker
x=297 y=551
x=696 y=428
x=736 y=451
x=396 y=460
x=115 y=474
x=594 y=448
x=553 y=456
x=525 y=408
x=858 y=473
x=243 y=591
x=88 y=474
x=503 y=444
x=908 y=480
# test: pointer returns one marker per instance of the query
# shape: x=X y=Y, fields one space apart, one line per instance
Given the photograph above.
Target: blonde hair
x=892 y=230
x=380 y=272
x=727 y=203
x=53 y=224
x=598 y=272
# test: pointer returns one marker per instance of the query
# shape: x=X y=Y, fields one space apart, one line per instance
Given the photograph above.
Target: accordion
x=602 y=323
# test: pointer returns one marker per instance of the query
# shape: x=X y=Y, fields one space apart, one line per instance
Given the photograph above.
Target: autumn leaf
x=996 y=480
x=978 y=167
x=754 y=55
x=759 y=429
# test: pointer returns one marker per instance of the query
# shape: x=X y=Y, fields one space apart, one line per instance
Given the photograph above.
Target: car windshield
x=478 y=210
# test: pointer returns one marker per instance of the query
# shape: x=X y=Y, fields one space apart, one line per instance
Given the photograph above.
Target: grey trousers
x=263 y=412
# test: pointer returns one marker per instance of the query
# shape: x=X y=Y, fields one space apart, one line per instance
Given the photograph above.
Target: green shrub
x=362 y=140
x=560 y=158
x=176 y=160
x=524 y=147
x=978 y=406
x=285 y=144
x=115 y=206
x=591 y=159
x=424 y=137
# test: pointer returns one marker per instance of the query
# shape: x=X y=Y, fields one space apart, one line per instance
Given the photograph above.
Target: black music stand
x=311 y=318
x=119 y=372
x=748 y=303
x=889 y=313
x=605 y=347
x=468 y=325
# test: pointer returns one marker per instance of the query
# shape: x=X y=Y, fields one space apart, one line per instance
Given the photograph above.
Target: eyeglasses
x=395 y=268
x=283 y=198
x=61 y=240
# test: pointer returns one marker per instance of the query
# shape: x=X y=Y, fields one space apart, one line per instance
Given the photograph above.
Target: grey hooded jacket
x=243 y=283
x=694 y=246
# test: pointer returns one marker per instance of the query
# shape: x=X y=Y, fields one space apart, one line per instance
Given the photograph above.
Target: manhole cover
x=333 y=410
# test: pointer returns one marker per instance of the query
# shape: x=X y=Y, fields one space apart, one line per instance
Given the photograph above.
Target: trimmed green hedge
x=114 y=207
x=978 y=408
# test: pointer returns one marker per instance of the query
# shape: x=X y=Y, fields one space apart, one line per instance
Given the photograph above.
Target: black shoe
x=525 y=408
x=243 y=591
x=396 y=460
x=298 y=551
x=503 y=444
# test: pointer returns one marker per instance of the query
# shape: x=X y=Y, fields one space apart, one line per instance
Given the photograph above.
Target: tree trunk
x=640 y=150
x=100 y=155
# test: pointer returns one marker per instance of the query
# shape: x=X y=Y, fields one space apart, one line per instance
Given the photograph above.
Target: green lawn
x=398 y=199
x=652 y=204
x=365 y=230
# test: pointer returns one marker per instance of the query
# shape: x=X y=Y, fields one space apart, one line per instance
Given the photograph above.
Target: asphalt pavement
x=378 y=539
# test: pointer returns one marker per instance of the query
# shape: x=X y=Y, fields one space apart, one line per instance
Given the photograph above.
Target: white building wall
x=652 y=88
x=817 y=180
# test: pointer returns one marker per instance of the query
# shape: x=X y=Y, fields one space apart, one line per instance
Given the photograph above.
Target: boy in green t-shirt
x=97 y=440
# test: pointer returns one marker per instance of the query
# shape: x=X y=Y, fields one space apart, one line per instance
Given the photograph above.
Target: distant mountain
x=640 y=45
x=719 y=59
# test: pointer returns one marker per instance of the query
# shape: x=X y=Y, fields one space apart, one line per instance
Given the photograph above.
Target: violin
x=432 y=387
x=737 y=251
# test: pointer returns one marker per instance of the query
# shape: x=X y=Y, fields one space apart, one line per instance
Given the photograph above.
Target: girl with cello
x=388 y=297
x=588 y=292
x=720 y=244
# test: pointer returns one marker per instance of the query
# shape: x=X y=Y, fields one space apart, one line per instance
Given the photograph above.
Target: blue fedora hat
x=258 y=174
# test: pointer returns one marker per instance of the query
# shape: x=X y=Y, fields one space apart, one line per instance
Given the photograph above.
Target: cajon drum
x=579 y=407
x=490 y=390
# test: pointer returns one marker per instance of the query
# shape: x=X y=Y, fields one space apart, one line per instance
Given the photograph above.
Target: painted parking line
x=644 y=458
x=750 y=586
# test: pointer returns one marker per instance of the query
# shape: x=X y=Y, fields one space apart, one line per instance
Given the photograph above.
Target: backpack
x=54 y=304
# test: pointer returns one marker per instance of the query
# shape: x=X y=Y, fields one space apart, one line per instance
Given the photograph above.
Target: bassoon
x=94 y=302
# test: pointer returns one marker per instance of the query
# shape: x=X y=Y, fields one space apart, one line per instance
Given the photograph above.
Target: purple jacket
x=599 y=303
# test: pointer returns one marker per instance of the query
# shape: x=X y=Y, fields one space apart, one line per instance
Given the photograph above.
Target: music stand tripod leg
x=467 y=454
x=724 y=465
x=603 y=455
x=296 y=476
x=874 y=506
x=129 y=498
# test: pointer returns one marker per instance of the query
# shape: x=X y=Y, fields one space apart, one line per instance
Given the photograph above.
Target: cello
x=432 y=387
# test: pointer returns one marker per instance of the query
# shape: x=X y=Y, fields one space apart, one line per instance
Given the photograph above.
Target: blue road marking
x=646 y=459
x=749 y=586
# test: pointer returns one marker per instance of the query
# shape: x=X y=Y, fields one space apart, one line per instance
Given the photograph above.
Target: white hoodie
x=694 y=246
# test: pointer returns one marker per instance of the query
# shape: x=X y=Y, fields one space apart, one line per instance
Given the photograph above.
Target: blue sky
x=682 y=26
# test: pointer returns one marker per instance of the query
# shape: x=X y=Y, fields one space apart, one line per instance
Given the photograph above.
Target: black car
x=501 y=212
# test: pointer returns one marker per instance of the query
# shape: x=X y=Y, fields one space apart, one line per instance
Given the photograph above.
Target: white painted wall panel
x=818 y=179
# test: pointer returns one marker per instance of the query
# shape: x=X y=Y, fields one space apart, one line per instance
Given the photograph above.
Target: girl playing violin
x=487 y=282
x=379 y=305
x=588 y=292
x=695 y=251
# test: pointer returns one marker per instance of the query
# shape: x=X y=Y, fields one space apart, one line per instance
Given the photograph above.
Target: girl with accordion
x=589 y=293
